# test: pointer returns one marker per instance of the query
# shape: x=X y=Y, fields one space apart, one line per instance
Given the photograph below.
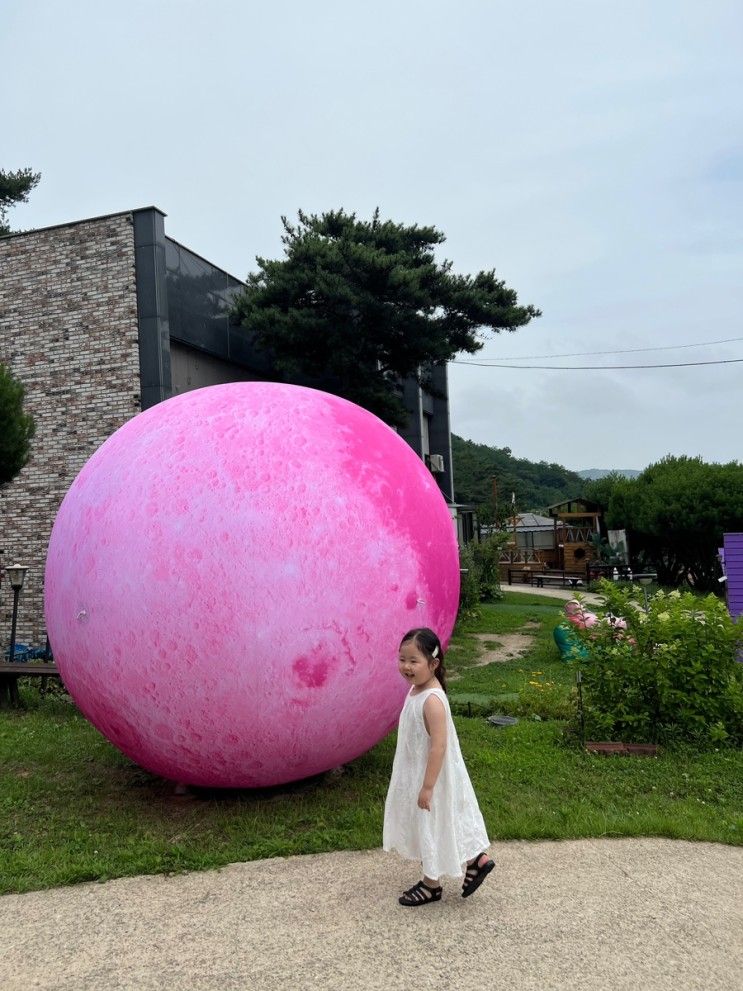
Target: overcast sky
x=590 y=152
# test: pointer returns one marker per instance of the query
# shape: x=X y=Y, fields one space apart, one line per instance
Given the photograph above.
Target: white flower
x=675 y=594
x=664 y=617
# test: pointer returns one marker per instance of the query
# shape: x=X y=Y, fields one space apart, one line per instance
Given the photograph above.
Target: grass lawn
x=73 y=809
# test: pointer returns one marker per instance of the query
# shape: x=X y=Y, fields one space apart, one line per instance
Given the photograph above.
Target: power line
x=589 y=354
x=578 y=368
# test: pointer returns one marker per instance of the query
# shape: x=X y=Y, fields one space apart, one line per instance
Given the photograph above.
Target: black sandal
x=415 y=896
x=475 y=875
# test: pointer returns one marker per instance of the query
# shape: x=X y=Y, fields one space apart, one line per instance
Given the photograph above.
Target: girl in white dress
x=431 y=813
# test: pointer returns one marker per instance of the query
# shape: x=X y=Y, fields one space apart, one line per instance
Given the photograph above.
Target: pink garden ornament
x=580 y=617
x=230 y=575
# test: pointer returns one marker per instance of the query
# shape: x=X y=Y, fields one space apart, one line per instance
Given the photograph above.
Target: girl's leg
x=481 y=859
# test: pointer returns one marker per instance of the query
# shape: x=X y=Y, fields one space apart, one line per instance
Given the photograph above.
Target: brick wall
x=68 y=331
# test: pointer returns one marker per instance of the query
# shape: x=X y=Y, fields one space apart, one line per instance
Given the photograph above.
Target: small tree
x=487 y=555
x=479 y=565
x=362 y=305
x=14 y=188
x=470 y=593
x=16 y=427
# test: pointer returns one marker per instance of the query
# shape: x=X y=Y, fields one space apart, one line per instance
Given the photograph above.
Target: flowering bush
x=668 y=672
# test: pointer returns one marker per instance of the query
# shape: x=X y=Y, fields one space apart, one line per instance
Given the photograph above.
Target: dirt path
x=510 y=646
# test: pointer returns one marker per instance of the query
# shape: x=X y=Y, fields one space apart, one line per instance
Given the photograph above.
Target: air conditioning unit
x=436 y=463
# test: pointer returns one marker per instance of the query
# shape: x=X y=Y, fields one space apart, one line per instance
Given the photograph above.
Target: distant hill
x=593 y=473
x=536 y=484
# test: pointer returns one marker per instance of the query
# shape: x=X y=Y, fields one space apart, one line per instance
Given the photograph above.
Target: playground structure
x=561 y=547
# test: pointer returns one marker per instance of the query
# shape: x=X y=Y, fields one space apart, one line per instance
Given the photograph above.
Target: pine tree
x=362 y=305
x=15 y=188
x=16 y=427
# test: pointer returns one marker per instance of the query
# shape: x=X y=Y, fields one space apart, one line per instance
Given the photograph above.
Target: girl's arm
x=434 y=717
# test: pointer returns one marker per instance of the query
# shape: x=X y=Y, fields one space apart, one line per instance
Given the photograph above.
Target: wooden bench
x=10 y=673
x=522 y=574
x=562 y=578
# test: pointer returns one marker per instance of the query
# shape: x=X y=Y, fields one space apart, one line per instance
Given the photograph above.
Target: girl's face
x=414 y=666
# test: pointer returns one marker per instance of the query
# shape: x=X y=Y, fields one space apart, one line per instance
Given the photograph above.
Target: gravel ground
x=583 y=915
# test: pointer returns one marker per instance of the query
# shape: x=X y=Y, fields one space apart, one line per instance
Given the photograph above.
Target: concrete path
x=553 y=593
x=589 y=915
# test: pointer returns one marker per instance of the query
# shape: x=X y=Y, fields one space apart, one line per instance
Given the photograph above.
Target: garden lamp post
x=579 y=682
x=645 y=581
x=16 y=576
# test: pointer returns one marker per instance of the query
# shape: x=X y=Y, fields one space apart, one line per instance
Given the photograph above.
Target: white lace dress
x=453 y=832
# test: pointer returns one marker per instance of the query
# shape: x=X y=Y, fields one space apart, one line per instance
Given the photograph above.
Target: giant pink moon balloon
x=229 y=577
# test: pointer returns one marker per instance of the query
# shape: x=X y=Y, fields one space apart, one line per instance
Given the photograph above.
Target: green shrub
x=471 y=703
x=487 y=556
x=469 y=586
x=670 y=674
x=543 y=700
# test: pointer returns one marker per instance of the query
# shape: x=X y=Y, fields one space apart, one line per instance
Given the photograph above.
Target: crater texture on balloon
x=229 y=577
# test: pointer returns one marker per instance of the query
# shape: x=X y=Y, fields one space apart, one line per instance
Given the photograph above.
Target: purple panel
x=733 y=554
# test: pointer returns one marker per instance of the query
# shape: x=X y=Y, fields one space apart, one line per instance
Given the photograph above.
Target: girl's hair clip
x=435 y=652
